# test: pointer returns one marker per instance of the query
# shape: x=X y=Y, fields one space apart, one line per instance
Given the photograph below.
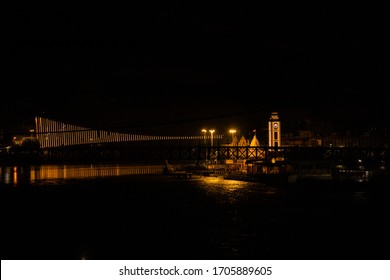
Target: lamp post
x=204 y=143
x=211 y=137
x=232 y=131
x=211 y=143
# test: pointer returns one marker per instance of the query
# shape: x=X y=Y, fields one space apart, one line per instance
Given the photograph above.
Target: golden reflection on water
x=8 y=175
x=16 y=174
x=218 y=184
x=227 y=185
x=74 y=172
x=233 y=190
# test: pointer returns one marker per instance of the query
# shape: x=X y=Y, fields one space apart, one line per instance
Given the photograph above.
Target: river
x=118 y=211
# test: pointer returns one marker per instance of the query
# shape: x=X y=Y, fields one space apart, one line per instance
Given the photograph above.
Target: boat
x=267 y=172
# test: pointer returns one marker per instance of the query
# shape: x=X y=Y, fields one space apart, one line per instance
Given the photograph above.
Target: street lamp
x=204 y=135
x=211 y=132
x=232 y=131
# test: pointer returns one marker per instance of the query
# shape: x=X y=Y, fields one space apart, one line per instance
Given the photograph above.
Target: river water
x=122 y=211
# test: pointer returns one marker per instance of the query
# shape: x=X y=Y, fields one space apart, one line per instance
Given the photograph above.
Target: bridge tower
x=274 y=131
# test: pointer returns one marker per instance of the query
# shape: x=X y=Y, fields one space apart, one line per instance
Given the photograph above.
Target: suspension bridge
x=53 y=134
x=60 y=141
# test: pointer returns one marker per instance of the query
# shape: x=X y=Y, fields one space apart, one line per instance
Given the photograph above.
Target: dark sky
x=192 y=65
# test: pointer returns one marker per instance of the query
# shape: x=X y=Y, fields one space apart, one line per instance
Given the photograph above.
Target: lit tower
x=274 y=131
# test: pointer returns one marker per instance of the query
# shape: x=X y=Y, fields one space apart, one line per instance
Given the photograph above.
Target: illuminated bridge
x=59 y=140
x=52 y=134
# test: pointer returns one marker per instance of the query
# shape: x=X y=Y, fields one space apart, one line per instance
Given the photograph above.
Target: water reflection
x=15 y=175
x=218 y=183
x=5 y=174
x=231 y=191
x=360 y=196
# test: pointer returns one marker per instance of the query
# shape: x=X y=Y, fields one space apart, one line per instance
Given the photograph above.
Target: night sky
x=182 y=67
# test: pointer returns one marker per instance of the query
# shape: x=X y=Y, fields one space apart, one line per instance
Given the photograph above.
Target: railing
x=118 y=152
